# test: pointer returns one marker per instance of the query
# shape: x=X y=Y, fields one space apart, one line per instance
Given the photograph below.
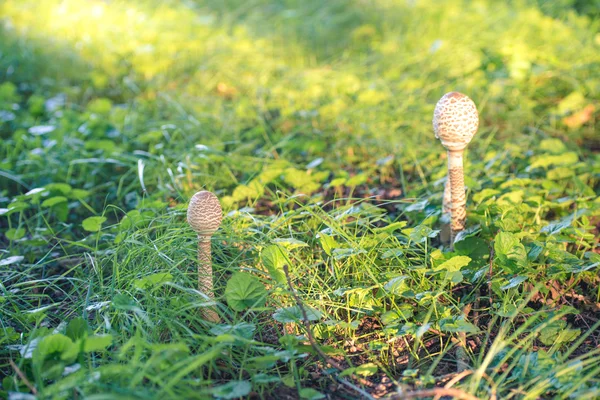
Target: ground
x=311 y=121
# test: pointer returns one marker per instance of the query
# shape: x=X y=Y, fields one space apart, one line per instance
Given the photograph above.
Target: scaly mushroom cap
x=204 y=213
x=455 y=120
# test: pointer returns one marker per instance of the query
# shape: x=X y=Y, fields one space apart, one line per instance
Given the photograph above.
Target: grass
x=312 y=123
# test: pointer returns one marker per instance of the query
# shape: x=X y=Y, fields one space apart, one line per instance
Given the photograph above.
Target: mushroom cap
x=204 y=213
x=455 y=120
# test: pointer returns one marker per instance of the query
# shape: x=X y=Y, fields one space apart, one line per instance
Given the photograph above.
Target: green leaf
x=15 y=234
x=510 y=253
x=545 y=160
x=152 y=280
x=328 y=243
x=558 y=333
x=311 y=394
x=93 y=224
x=484 y=194
x=421 y=232
x=97 y=343
x=232 y=390
x=77 y=328
x=290 y=243
x=244 y=291
x=63 y=188
x=552 y=145
x=367 y=369
x=391 y=227
x=457 y=325
x=397 y=285
x=274 y=258
x=241 y=329
x=516 y=281
x=339 y=254
x=558 y=226
x=454 y=264
x=52 y=201
x=400 y=315
x=294 y=314
x=52 y=347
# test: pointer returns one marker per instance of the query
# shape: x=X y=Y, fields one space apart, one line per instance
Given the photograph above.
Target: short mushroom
x=455 y=122
x=204 y=215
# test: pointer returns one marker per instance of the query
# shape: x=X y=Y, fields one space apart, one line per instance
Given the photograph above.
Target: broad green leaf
x=15 y=234
x=484 y=194
x=77 y=328
x=97 y=343
x=274 y=258
x=232 y=390
x=340 y=254
x=52 y=347
x=244 y=290
x=391 y=227
x=328 y=243
x=558 y=333
x=457 y=325
x=63 y=188
x=400 y=315
x=101 y=106
x=311 y=394
x=397 y=285
x=420 y=233
x=52 y=201
x=556 y=227
x=454 y=264
x=514 y=282
x=93 y=224
x=294 y=314
x=152 y=280
x=16 y=206
x=474 y=247
x=564 y=159
x=391 y=253
x=290 y=243
x=510 y=252
x=367 y=369
x=242 y=329
x=552 y=145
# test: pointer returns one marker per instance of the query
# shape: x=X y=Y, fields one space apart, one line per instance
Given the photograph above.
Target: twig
x=22 y=376
x=314 y=344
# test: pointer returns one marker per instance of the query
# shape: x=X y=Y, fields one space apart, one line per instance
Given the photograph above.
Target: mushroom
x=455 y=122
x=204 y=215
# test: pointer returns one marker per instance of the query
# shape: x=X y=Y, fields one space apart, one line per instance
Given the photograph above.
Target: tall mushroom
x=455 y=122
x=204 y=215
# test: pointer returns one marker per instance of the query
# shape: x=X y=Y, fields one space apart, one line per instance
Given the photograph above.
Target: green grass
x=312 y=122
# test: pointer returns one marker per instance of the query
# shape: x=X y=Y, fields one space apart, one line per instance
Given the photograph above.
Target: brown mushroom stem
x=457 y=191
x=205 y=275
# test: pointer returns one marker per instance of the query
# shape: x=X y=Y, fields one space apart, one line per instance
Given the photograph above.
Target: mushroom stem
x=205 y=274
x=457 y=191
